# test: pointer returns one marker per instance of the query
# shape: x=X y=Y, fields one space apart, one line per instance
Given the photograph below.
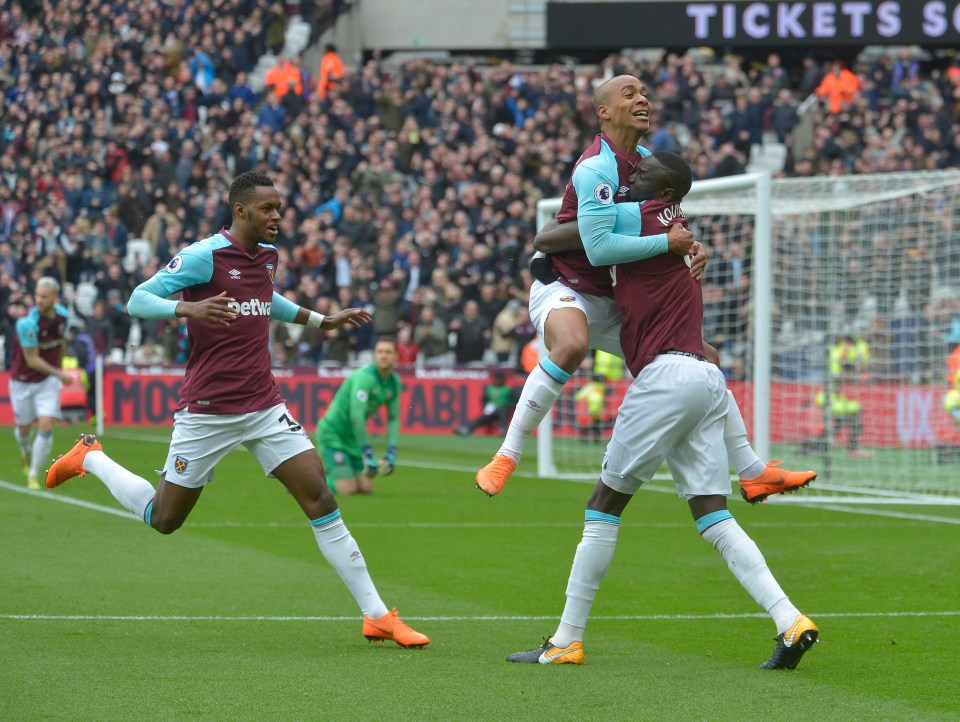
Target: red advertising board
x=438 y=401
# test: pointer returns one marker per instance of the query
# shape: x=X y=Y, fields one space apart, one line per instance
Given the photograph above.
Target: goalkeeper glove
x=387 y=461
x=369 y=462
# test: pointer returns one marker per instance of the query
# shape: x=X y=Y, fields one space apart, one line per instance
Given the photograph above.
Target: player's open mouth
x=644 y=114
x=273 y=229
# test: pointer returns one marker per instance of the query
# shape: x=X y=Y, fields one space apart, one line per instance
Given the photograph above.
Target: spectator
x=430 y=335
x=838 y=88
x=386 y=309
x=330 y=72
x=283 y=78
x=407 y=349
x=472 y=332
x=503 y=340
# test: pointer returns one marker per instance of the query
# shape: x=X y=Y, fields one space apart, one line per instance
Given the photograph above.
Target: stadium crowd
x=411 y=190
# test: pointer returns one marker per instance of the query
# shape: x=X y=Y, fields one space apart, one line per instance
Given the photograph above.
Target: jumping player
x=576 y=312
x=230 y=397
x=674 y=410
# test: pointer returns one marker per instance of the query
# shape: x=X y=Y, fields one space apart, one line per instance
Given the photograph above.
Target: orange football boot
x=391 y=628
x=70 y=464
x=774 y=480
x=492 y=477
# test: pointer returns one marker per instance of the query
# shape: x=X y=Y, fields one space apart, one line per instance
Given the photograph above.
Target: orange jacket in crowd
x=840 y=86
x=331 y=70
x=280 y=77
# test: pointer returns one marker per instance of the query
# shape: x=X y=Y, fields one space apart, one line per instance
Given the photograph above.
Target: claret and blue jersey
x=45 y=334
x=228 y=371
x=596 y=197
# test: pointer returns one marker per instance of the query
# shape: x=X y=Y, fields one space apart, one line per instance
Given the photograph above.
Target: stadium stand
x=121 y=124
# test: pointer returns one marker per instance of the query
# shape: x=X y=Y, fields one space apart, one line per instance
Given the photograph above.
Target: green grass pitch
x=238 y=617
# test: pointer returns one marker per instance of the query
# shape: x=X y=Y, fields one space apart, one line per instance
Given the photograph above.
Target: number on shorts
x=294 y=426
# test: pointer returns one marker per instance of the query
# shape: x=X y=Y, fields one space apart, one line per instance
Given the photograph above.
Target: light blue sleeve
x=28 y=332
x=149 y=300
x=282 y=309
x=192 y=266
x=596 y=186
x=610 y=248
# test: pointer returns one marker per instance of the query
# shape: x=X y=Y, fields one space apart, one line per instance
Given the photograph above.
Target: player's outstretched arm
x=353 y=317
x=287 y=311
x=347 y=317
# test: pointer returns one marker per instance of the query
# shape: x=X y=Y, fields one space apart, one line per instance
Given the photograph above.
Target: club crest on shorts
x=568 y=299
x=180 y=464
x=339 y=458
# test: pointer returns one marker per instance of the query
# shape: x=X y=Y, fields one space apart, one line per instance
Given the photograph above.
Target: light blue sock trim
x=45 y=434
x=714 y=517
x=591 y=515
x=332 y=516
x=147 y=513
x=554 y=371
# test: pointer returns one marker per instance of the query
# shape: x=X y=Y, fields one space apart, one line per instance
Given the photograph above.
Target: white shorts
x=200 y=441
x=32 y=400
x=603 y=316
x=673 y=410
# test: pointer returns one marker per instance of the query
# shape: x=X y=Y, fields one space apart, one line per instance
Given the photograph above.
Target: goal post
x=835 y=305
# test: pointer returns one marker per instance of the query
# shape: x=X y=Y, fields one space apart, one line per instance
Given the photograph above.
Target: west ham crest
x=180 y=464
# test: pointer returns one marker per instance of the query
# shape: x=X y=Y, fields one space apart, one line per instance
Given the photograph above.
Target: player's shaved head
x=608 y=88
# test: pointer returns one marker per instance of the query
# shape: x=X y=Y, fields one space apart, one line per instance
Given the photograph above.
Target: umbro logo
x=622 y=190
x=234 y=273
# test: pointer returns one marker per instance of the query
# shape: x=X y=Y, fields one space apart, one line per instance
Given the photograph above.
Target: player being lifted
x=342 y=432
x=576 y=311
x=673 y=411
x=230 y=397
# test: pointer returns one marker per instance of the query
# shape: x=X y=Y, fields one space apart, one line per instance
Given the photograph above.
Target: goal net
x=835 y=305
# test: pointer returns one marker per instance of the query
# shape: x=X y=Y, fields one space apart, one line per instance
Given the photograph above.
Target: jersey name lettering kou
x=669 y=214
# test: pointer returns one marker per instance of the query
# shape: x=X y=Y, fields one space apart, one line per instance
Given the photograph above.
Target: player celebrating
x=342 y=432
x=674 y=410
x=230 y=397
x=36 y=377
x=576 y=312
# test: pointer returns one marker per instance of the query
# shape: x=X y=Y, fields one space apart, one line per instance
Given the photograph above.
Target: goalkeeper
x=342 y=432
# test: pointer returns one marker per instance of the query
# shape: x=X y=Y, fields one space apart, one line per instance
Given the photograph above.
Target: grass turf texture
x=265 y=629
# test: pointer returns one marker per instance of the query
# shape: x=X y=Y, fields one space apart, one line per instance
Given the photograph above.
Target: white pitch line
x=833 y=504
x=51 y=496
x=449 y=618
x=65 y=499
